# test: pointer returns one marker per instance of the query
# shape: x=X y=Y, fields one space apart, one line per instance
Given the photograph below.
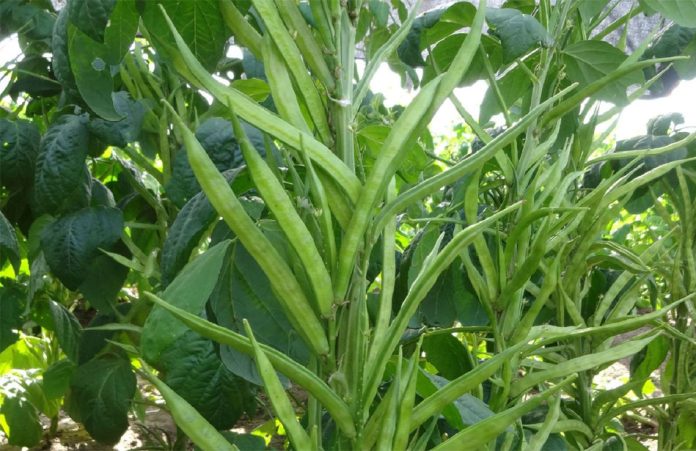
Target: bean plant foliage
x=219 y=227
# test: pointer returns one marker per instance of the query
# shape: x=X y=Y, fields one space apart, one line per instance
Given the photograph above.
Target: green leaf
x=186 y=231
x=649 y=358
x=193 y=369
x=448 y=355
x=11 y=304
x=9 y=246
x=94 y=340
x=120 y=133
x=101 y=394
x=518 y=33
x=60 y=166
x=514 y=85
x=590 y=8
x=120 y=31
x=61 y=58
x=91 y=16
x=380 y=12
x=199 y=23
x=67 y=329
x=24 y=427
x=19 y=147
x=589 y=61
x=92 y=73
x=443 y=53
x=71 y=243
x=682 y=12
x=189 y=291
x=255 y=88
x=244 y=292
x=104 y=280
x=57 y=377
x=409 y=51
x=34 y=77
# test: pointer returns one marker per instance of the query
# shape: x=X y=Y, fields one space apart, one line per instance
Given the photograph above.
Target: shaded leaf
x=448 y=355
x=9 y=246
x=91 y=16
x=193 y=369
x=57 y=377
x=60 y=166
x=19 y=148
x=682 y=12
x=101 y=394
x=71 y=243
x=11 y=303
x=120 y=133
x=67 y=329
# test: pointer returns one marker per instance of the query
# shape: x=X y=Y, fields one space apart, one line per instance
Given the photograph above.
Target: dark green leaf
x=409 y=50
x=682 y=12
x=29 y=20
x=649 y=358
x=244 y=292
x=92 y=73
x=19 y=147
x=199 y=23
x=91 y=16
x=444 y=52
x=56 y=378
x=9 y=246
x=22 y=420
x=590 y=8
x=93 y=341
x=588 y=61
x=67 y=329
x=11 y=303
x=71 y=243
x=519 y=33
x=35 y=77
x=104 y=279
x=189 y=291
x=120 y=133
x=193 y=369
x=448 y=355
x=101 y=394
x=61 y=59
x=60 y=166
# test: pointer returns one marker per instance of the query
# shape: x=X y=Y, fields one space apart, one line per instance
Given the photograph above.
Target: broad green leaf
x=9 y=246
x=590 y=8
x=255 y=88
x=649 y=358
x=518 y=32
x=682 y=12
x=380 y=12
x=19 y=147
x=120 y=133
x=186 y=231
x=198 y=22
x=71 y=243
x=67 y=329
x=193 y=369
x=443 y=53
x=409 y=50
x=57 y=377
x=30 y=20
x=33 y=76
x=101 y=392
x=60 y=167
x=22 y=420
x=91 y=16
x=189 y=291
x=92 y=73
x=94 y=340
x=120 y=30
x=104 y=280
x=589 y=61
x=448 y=355
x=11 y=305
x=244 y=292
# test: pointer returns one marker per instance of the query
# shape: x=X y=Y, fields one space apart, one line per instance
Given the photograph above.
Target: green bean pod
x=291 y=54
x=265 y=120
x=279 y=399
x=242 y=30
x=284 y=282
x=299 y=237
x=189 y=420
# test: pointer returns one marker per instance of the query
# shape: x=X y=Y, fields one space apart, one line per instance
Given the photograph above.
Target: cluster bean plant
x=210 y=199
